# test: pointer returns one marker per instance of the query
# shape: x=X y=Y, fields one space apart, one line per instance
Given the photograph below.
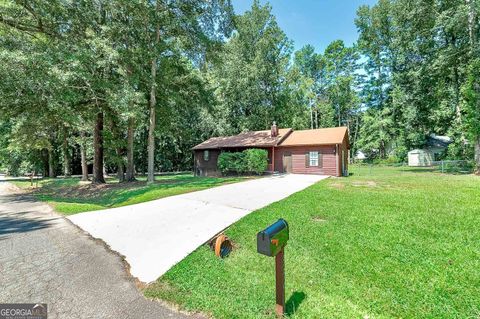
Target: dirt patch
x=366 y=184
x=319 y=219
x=87 y=190
x=10 y=188
x=337 y=185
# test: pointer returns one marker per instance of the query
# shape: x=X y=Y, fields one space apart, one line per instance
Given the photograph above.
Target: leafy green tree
x=332 y=86
x=416 y=60
x=471 y=93
x=250 y=76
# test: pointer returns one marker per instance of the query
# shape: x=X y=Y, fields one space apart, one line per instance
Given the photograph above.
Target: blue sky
x=315 y=22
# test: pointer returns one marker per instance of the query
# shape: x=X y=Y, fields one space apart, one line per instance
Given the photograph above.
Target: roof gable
x=246 y=139
x=438 y=141
x=322 y=136
x=286 y=137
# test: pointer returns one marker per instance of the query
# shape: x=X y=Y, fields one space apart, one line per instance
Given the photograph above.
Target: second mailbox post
x=271 y=242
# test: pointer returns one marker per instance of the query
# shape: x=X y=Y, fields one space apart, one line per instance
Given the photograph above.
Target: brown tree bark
x=477 y=155
x=473 y=33
x=118 y=135
x=472 y=23
x=120 y=165
x=98 y=150
x=354 y=144
x=83 y=155
x=151 y=129
x=130 y=176
x=66 y=158
x=311 y=117
x=45 y=163
x=51 y=164
x=382 y=149
x=153 y=104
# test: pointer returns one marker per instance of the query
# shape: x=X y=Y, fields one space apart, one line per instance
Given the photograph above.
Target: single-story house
x=319 y=151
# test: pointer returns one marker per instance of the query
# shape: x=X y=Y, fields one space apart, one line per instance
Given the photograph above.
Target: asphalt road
x=46 y=259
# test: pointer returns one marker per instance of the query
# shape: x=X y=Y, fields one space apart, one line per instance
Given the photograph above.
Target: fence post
x=442 y=166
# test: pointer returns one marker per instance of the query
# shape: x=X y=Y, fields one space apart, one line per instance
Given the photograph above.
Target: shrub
x=251 y=161
x=239 y=164
x=224 y=162
x=256 y=160
x=391 y=160
x=232 y=162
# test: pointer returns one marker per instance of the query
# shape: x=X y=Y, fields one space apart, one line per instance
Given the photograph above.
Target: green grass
x=69 y=196
x=382 y=243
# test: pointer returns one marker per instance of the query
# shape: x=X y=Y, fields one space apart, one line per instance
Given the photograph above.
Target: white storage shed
x=420 y=157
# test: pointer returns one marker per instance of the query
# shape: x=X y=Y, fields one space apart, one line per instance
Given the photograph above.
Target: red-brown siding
x=327 y=165
x=330 y=160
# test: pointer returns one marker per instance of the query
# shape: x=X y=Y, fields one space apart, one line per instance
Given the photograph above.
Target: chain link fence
x=454 y=166
x=446 y=167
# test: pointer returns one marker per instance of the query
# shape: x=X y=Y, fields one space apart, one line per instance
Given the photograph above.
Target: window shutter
x=307 y=159
x=320 y=159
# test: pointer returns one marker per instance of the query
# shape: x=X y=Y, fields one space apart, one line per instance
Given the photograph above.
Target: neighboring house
x=320 y=151
x=437 y=144
x=434 y=147
x=360 y=156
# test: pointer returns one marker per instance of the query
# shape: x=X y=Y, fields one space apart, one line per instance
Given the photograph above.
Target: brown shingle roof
x=322 y=136
x=247 y=139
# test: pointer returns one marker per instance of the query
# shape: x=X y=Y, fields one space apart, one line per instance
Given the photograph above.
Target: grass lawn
x=382 y=243
x=69 y=196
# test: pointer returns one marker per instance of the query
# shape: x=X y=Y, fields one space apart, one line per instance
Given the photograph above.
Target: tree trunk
x=339 y=118
x=83 y=155
x=119 y=137
x=473 y=32
x=120 y=165
x=477 y=155
x=51 y=164
x=382 y=149
x=311 y=117
x=130 y=136
x=151 y=127
x=353 y=146
x=66 y=158
x=472 y=17
x=45 y=163
x=98 y=150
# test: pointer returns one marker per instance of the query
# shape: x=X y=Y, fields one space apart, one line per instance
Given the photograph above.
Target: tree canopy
x=129 y=87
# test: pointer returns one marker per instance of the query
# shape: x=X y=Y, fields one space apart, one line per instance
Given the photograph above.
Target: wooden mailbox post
x=271 y=242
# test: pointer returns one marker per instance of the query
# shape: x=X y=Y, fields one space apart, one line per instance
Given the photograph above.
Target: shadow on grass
x=20 y=179
x=118 y=194
x=294 y=302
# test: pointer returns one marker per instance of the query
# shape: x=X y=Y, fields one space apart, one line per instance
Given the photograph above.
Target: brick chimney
x=274 y=132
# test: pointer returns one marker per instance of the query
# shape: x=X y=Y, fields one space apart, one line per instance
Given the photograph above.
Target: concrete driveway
x=155 y=235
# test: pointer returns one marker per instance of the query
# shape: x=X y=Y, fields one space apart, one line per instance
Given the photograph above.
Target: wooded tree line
x=421 y=64
x=129 y=86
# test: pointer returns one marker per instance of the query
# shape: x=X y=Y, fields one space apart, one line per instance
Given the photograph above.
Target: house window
x=313 y=156
x=206 y=155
